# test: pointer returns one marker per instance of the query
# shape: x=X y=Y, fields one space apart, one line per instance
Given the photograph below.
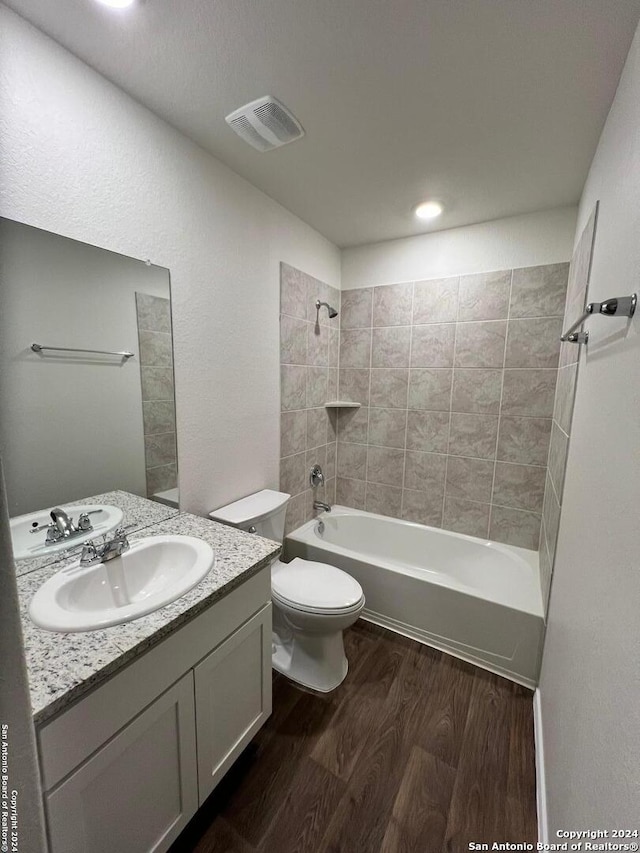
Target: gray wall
x=70 y=425
x=456 y=378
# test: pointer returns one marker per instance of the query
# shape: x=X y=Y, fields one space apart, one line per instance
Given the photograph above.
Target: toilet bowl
x=313 y=602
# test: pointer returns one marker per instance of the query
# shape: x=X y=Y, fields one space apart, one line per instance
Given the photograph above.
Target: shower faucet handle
x=316 y=477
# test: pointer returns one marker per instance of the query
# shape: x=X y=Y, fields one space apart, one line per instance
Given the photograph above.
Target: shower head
x=332 y=311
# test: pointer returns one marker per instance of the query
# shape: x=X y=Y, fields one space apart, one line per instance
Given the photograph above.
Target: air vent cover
x=265 y=124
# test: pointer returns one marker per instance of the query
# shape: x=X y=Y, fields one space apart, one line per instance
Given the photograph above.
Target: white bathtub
x=476 y=599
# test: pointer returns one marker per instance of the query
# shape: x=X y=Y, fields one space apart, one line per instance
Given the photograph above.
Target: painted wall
x=519 y=241
x=82 y=159
x=590 y=683
x=71 y=425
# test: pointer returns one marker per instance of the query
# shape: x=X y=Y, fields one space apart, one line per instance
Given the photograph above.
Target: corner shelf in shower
x=341 y=404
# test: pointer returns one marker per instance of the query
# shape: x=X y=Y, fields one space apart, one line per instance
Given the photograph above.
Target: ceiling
x=493 y=107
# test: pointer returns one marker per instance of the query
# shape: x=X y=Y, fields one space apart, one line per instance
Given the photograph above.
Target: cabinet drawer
x=233 y=698
x=137 y=793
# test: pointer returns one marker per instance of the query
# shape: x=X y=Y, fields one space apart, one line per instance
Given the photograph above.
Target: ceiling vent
x=265 y=124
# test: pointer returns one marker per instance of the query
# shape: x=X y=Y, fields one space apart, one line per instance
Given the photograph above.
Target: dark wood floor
x=416 y=752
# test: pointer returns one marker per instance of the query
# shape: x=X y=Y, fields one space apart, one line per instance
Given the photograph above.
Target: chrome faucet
x=63 y=523
x=322 y=505
x=112 y=548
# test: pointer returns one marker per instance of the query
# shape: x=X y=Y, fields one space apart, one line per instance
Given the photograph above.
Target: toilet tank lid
x=250 y=509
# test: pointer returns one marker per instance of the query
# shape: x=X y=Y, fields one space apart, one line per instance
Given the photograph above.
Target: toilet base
x=316 y=662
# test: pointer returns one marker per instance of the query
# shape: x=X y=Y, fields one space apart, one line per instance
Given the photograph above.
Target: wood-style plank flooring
x=416 y=752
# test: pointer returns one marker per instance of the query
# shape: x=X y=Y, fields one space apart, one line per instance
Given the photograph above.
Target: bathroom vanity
x=137 y=723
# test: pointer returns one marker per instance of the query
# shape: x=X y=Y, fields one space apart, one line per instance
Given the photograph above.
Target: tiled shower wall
x=457 y=379
x=563 y=409
x=158 y=401
x=309 y=344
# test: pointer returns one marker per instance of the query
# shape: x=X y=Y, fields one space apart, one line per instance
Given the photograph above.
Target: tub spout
x=322 y=505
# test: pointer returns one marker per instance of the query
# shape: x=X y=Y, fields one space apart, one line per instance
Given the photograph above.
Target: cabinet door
x=136 y=793
x=233 y=698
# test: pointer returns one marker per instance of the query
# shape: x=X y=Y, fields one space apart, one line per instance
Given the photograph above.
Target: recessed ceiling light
x=428 y=210
x=117 y=4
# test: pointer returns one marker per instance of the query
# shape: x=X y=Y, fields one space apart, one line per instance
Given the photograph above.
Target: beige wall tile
x=469 y=479
x=153 y=312
x=476 y=391
x=384 y=500
x=293 y=340
x=356 y=309
x=551 y=517
x=317 y=378
x=519 y=486
x=387 y=427
x=534 y=343
x=332 y=456
x=432 y=346
x=515 y=527
x=390 y=347
x=466 y=517
x=484 y=296
x=355 y=348
x=354 y=384
x=317 y=344
x=565 y=396
x=435 y=301
x=160 y=449
x=293 y=387
x=524 y=440
x=480 y=344
x=529 y=392
x=158 y=416
x=352 y=461
x=293 y=474
x=558 y=458
x=317 y=422
x=392 y=304
x=293 y=292
x=385 y=465
x=473 y=435
x=428 y=431
x=539 y=291
x=425 y=472
x=161 y=478
x=157 y=383
x=422 y=507
x=293 y=432
x=389 y=388
x=353 y=425
x=155 y=349
x=430 y=388
x=350 y=492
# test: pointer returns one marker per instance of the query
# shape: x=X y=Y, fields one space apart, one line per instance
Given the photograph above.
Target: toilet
x=312 y=602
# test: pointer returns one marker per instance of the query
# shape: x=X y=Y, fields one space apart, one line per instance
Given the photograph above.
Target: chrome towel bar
x=622 y=306
x=41 y=347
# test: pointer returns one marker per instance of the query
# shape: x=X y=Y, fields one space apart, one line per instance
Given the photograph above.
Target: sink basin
x=104 y=519
x=154 y=572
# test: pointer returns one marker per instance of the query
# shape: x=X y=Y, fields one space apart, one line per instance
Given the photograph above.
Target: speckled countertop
x=138 y=513
x=62 y=667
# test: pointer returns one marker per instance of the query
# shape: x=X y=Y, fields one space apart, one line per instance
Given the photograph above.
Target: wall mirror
x=93 y=410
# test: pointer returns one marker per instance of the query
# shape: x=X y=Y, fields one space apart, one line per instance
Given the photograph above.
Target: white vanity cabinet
x=126 y=767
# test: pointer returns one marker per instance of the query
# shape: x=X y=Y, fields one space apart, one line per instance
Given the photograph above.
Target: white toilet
x=312 y=602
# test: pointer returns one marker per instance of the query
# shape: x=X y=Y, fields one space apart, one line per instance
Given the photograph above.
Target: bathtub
x=472 y=598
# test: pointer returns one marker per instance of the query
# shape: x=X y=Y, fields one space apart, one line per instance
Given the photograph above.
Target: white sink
x=152 y=573
x=104 y=519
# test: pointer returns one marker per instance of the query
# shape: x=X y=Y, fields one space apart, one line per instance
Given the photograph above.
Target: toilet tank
x=262 y=513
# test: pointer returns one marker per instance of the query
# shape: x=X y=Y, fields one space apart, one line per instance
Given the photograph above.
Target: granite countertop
x=62 y=667
x=138 y=513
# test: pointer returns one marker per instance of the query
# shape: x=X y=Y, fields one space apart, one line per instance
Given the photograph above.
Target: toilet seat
x=312 y=587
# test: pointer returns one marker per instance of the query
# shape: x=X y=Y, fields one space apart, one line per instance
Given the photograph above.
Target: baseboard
x=541 y=785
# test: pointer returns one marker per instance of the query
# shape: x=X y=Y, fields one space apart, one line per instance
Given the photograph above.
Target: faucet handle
x=89 y=553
